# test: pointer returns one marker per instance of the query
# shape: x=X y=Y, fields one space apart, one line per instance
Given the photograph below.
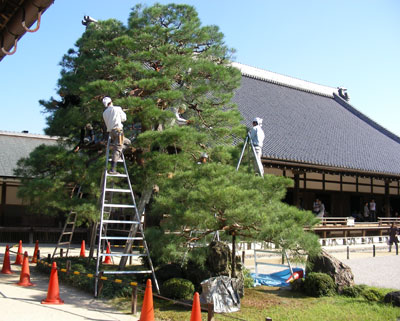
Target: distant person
x=316 y=206
x=366 y=212
x=393 y=232
x=321 y=209
x=257 y=136
x=114 y=116
x=372 y=210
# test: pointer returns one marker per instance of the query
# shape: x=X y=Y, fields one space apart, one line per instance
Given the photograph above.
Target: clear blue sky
x=349 y=43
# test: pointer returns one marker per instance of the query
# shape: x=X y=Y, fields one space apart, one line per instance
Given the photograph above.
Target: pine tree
x=164 y=60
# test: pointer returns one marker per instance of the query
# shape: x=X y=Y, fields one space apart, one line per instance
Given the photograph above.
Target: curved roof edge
x=365 y=118
x=283 y=80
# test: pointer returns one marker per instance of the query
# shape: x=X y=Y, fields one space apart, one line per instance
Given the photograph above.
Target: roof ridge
x=287 y=81
x=28 y=135
x=366 y=119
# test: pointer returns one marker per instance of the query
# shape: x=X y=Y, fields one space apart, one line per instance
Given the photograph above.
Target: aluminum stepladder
x=258 y=162
x=114 y=192
x=68 y=230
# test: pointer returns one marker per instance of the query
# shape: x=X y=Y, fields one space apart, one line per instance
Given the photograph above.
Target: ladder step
x=120 y=222
x=118 y=161
x=118 y=190
x=135 y=238
x=127 y=272
x=116 y=175
x=64 y=243
x=120 y=205
x=67 y=233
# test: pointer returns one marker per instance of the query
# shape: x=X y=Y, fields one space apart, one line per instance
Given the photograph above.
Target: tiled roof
x=310 y=126
x=14 y=146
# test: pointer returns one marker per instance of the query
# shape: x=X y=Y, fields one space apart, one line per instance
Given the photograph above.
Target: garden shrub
x=372 y=295
x=319 y=284
x=247 y=279
x=351 y=291
x=177 y=288
x=169 y=271
x=297 y=285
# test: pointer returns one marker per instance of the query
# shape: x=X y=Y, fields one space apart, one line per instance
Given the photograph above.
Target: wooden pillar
x=3 y=203
x=387 y=198
x=296 y=194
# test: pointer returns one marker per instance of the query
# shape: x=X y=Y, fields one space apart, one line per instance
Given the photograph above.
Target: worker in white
x=114 y=116
x=257 y=136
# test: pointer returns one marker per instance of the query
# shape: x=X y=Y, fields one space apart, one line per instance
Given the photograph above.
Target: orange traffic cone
x=107 y=260
x=82 y=254
x=53 y=292
x=196 y=310
x=25 y=277
x=6 y=263
x=147 y=313
x=34 y=257
x=20 y=256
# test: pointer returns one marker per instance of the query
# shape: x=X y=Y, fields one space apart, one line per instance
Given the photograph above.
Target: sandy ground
x=24 y=303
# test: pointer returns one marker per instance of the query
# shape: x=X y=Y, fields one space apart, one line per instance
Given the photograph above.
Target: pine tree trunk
x=233 y=255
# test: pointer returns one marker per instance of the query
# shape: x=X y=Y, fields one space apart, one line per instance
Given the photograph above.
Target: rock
x=218 y=262
x=393 y=298
x=326 y=263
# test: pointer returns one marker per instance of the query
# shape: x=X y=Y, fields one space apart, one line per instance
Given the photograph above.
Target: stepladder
x=248 y=143
x=121 y=225
x=65 y=239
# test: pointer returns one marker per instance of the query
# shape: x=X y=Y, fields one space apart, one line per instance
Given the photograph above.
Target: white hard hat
x=106 y=101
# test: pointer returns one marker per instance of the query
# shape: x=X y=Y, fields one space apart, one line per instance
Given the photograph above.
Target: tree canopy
x=161 y=62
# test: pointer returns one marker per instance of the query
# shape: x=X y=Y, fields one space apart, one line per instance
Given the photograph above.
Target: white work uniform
x=114 y=116
x=257 y=136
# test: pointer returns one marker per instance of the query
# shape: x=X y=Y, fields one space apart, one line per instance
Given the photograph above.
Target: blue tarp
x=274 y=279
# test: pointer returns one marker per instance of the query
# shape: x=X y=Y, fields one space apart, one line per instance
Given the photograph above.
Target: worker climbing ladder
x=67 y=233
x=118 y=188
x=252 y=152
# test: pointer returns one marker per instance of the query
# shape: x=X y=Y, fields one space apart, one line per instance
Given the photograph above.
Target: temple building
x=316 y=137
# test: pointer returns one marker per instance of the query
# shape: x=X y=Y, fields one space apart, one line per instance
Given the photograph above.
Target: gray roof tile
x=317 y=129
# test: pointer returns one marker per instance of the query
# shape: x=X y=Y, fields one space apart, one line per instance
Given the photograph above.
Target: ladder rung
x=118 y=161
x=64 y=243
x=122 y=254
x=120 y=222
x=120 y=205
x=127 y=272
x=67 y=233
x=116 y=175
x=118 y=190
x=135 y=238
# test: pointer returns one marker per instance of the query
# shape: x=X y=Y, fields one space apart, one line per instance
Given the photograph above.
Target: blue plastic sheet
x=279 y=279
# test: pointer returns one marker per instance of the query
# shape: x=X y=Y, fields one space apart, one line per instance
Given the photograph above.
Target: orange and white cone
x=107 y=259
x=82 y=254
x=20 y=255
x=147 y=313
x=34 y=257
x=25 y=276
x=196 y=310
x=53 y=292
x=6 y=262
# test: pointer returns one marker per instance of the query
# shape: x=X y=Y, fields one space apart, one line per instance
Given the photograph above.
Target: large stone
x=393 y=298
x=326 y=263
x=218 y=262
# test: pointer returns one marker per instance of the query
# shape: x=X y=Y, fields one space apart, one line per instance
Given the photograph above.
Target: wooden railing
x=388 y=220
x=348 y=221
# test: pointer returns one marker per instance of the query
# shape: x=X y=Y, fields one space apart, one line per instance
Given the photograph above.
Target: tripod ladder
x=253 y=150
x=117 y=197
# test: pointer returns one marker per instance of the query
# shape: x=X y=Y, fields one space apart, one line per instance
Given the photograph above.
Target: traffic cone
x=107 y=260
x=82 y=254
x=34 y=257
x=6 y=263
x=196 y=310
x=147 y=313
x=25 y=277
x=20 y=256
x=53 y=292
